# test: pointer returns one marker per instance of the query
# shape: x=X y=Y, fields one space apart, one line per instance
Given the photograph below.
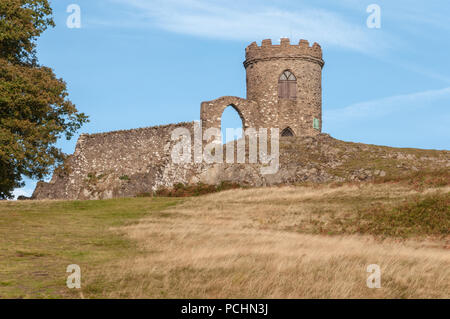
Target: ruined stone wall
x=264 y=64
x=129 y=163
x=117 y=164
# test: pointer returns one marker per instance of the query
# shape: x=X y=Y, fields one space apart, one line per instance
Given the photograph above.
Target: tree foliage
x=34 y=106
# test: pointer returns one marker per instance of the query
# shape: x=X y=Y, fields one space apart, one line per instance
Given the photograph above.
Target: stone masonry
x=263 y=107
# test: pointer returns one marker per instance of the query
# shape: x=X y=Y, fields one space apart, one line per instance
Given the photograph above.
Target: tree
x=34 y=107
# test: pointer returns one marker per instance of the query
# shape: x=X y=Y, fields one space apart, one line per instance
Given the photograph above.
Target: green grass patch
x=182 y=190
x=41 y=238
x=420 y=179
x=414 y=216
x=429 y=215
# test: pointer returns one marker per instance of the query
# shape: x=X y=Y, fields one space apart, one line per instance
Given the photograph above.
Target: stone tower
x=284 y=90
x=286 y=82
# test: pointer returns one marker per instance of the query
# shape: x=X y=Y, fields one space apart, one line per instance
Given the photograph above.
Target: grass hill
x=299 y=241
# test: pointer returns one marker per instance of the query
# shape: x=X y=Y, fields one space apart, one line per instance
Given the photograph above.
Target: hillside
x=109 y=165
x=323 y=159
x=272 y=242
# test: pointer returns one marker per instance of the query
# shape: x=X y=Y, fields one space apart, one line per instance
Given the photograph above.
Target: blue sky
x=137 y=63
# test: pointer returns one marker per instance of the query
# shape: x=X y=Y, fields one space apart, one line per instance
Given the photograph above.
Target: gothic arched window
x=287 y=132
x=287 y=85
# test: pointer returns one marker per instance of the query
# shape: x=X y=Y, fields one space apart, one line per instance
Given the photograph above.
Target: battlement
x=285 y=49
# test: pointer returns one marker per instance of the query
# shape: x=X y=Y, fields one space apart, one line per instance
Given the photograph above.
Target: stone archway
x=211 y=111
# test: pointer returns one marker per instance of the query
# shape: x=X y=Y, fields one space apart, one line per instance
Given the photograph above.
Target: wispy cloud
x=381 y=107
x=340 y=25
x=250 y=20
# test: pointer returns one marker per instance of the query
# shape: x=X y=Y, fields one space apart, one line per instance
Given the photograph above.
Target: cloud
x=250 y=20
x=385 y=106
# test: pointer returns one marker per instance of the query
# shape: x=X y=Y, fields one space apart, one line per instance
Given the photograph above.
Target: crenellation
x=303 y=43
x=285 y=42
x=266 y=42
x=285 y=49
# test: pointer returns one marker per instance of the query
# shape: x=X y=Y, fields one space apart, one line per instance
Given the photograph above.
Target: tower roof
x=284 y=50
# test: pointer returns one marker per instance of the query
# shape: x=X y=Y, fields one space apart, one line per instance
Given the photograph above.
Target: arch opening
x=231 y=125
x=287 y=132
x=287 y=85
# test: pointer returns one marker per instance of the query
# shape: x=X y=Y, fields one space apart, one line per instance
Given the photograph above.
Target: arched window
x=287 y=132
x=287 y=85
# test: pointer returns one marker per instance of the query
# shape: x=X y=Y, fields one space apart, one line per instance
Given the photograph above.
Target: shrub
x=181 y=190
x=429 y=215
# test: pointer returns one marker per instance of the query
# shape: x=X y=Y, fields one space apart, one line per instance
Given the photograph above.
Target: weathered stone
x=263 y=107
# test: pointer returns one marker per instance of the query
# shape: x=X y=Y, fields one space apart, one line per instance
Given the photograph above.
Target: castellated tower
x=284 y=90
x=286 y=82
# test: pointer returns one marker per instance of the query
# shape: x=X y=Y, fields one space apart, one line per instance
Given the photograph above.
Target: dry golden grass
x=276 y=243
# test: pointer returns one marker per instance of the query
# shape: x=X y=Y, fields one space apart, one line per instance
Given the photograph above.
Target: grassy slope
x=40 y=239
x=303 y=241
x=348 y=157
x=274 y=242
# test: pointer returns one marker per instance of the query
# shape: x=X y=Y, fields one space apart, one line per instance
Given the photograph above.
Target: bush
x=181 y=190
x=429 y=215
x=420 y=179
